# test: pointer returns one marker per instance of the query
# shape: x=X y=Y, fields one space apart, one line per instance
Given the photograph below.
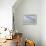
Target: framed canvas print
x=30 y=19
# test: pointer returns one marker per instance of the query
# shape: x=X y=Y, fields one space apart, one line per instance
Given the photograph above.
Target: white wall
x=29 y=7
x=43 y=22
x=6 y=13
